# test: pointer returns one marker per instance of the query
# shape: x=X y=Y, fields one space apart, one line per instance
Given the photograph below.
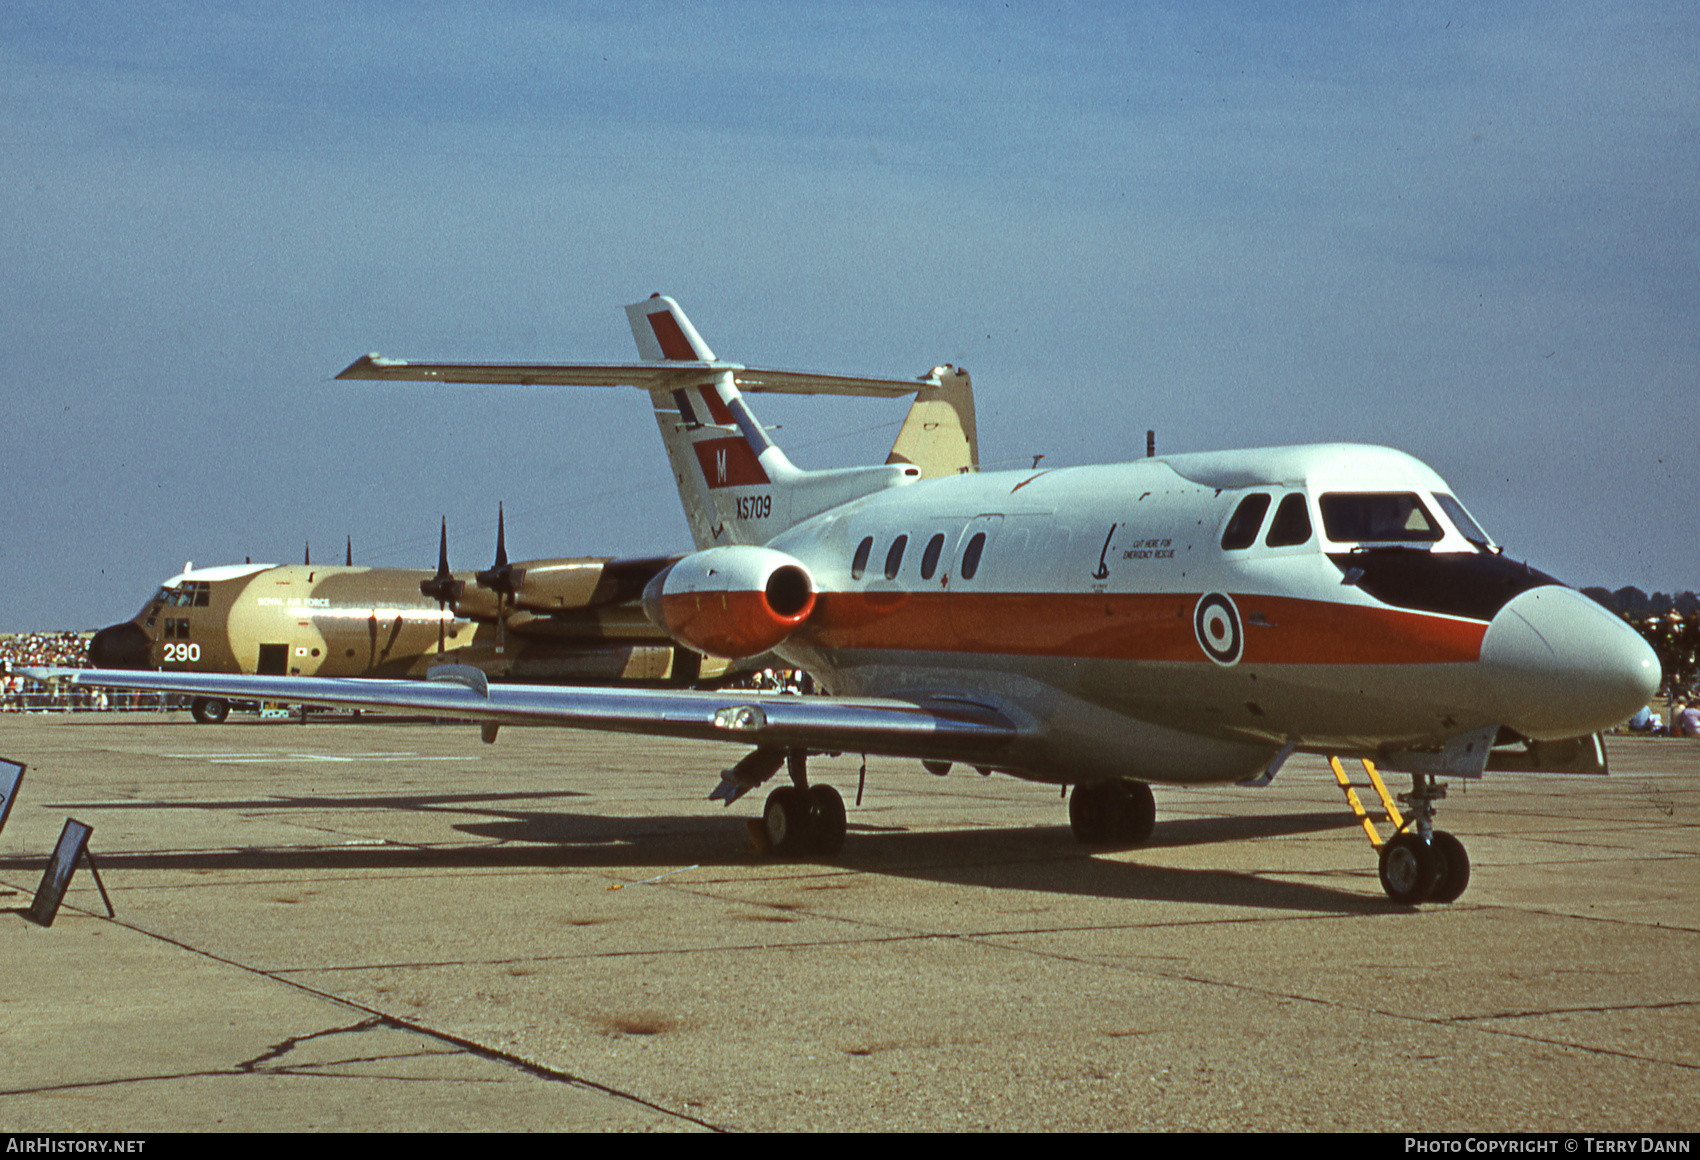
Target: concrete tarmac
x=392 y=926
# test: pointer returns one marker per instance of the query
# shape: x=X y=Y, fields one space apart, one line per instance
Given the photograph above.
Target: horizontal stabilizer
x=648 y=376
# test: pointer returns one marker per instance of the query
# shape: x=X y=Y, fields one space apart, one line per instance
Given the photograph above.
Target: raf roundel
x=1216 y=622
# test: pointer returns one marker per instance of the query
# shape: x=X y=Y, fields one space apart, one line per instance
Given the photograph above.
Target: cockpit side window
x=1248 y=518
x=1379 y=517
x=1467 y=527
x=1291 y=525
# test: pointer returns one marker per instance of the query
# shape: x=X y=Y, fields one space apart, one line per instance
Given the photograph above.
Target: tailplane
x=736 y=485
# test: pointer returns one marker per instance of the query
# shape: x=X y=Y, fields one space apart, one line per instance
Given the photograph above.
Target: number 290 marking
x=176 y=653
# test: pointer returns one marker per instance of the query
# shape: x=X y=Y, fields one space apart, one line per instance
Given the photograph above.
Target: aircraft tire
x=1117 y=813
x=1087 y=815
x=1135 y=814
x=786 y=820
x=209 y=710
x=1453 y=875
x=826 y=820
x=1409 y=869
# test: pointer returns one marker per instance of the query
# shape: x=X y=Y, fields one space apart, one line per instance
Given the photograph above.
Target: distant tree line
x=1670 y=624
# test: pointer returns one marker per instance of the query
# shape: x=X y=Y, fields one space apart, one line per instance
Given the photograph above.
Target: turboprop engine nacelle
x=737 y=601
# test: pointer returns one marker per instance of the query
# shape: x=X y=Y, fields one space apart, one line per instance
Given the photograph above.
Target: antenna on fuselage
x=1150 y=444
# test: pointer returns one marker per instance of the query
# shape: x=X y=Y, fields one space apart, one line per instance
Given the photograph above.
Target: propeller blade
x=501 y=578
x=443 y=587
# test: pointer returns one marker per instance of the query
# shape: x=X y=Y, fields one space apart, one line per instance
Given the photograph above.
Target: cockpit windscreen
x=1467 y=527
x=1378 y=517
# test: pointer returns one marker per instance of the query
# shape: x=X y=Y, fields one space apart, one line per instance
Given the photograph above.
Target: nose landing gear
x=1418 y=863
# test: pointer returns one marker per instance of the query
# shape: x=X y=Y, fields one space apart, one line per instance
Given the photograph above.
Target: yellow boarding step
x=1362 y=814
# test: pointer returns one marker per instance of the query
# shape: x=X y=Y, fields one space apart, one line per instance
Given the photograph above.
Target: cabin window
x=894 y=558
x=930 y=558
x=1291 y=524
x=971 y=555
x=1248 y=517
x=859 y=565
x=1380 y=517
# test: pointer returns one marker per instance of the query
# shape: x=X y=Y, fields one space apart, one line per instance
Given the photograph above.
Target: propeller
x=443 y=587
x=502 y=578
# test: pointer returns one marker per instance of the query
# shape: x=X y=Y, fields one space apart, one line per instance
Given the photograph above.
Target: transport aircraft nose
x=1559 y=665
x=120 y=646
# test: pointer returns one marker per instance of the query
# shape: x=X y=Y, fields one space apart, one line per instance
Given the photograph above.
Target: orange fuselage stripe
x=1140 y=627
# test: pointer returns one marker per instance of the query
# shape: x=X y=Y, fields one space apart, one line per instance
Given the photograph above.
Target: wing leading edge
x=924 y=727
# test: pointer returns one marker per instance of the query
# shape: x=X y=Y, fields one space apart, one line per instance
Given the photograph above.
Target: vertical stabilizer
x=736 y=485
x=938 y=436
x=663 y=332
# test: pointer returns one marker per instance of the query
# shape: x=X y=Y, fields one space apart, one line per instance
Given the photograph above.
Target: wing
x=646 y=375
x=929 y=727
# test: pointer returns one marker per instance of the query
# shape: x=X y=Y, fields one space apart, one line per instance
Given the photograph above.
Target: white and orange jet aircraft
x=1182 y=620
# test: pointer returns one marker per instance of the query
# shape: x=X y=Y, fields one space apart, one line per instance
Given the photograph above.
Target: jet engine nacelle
x=734 y=602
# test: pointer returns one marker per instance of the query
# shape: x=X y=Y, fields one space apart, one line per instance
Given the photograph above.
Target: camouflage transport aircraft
x=1184 y=620
x=566 y=621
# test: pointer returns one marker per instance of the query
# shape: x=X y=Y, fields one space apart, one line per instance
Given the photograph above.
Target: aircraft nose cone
x=1559 y=665
x=121 y=646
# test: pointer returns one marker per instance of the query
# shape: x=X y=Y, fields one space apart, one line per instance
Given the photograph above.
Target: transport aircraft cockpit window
x=971 y=555
x=1248 y=517
x=1291 y=525
x=196 y=594
x=894 y=558
x=859 y=565
x=1379 y=517
x=930 y=558
x=1467 y=527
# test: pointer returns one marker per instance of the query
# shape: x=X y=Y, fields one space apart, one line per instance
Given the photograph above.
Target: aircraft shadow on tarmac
x=1045 y=858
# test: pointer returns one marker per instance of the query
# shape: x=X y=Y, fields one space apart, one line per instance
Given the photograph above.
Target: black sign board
x=73 y=842
x=11 y=776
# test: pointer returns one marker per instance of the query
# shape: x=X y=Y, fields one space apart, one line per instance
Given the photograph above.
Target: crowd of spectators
x=31 y=649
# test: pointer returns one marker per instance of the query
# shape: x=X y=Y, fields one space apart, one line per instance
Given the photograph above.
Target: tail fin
x=736 y=485
x=663 y=332
x=938 y=436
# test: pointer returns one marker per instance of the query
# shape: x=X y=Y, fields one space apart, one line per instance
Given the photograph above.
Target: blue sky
x=1466 y=231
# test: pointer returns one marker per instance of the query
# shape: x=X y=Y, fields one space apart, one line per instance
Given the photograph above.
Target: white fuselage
x=1101 y=602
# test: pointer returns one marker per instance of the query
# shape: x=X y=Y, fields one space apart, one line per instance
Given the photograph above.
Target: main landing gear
x=1117 y=812
x=798 y=818
x=1418 y=863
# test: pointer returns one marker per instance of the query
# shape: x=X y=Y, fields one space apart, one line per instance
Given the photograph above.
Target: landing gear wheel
x=786 y=819
x=1120 y=812
x=1087 y=816
x=1409 y=869
x=209 y=710
x=1137 y=815
x=1453 y=874
x=826 y=820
